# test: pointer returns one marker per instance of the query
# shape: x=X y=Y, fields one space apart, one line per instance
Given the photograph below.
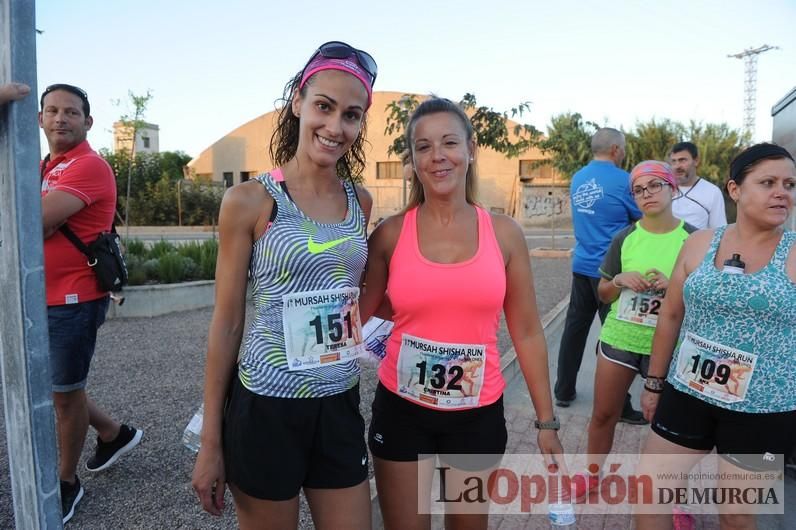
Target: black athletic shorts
x=401 y=430
x=751 y=441
x=275 y=446
x=637 y=362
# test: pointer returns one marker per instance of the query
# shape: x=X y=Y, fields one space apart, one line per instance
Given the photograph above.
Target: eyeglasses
x=340 y=50
x=652 y=188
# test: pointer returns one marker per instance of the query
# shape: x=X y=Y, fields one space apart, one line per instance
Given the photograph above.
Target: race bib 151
x=322 y=327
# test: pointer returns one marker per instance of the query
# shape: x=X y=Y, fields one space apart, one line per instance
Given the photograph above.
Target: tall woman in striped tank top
x=285 y=416
x=721 y=375
x=449 y=268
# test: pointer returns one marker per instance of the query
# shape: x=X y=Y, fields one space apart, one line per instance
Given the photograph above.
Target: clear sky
x=212 y=66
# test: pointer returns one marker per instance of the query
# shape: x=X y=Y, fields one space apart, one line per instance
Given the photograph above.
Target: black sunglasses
x=72 y=89
x=340 y=50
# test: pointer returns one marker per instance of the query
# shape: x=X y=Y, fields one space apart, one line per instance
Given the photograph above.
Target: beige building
x=146 y=138
x=503 y=182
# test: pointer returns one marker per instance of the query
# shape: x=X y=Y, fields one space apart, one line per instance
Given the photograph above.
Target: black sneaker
x=632 y=416
x=564 y=403
x=107 y=454
x=70 y=496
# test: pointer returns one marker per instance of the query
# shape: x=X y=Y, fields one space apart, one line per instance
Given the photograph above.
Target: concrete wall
x=541 y=205
x=154 y=300
x=784 y=123
x=122 y=138
x=784 y=133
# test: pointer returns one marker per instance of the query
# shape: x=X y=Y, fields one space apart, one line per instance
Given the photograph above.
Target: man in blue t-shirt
x=601 y=206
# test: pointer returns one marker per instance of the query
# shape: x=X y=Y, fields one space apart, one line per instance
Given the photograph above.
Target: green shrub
x=135 y=247
x=136 y=274
x=190 y=269
x=207 y=260
x=161 y=248
x=152 y=269
x=169 y=263
x=170 y=267
x=192 y=249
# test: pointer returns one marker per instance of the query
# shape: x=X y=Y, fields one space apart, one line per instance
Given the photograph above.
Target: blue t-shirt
x=601 y=207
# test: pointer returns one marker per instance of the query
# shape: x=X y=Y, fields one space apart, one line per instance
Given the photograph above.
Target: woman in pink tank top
x=448 y=268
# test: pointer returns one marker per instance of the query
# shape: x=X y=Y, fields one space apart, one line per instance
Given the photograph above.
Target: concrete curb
x=543 y=252
x=166 y=230
x=553 y=326
x=160 y=299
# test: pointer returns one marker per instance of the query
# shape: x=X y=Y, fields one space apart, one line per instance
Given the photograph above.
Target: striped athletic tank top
x=298 y=255
x=743 y=329
x=439 y=310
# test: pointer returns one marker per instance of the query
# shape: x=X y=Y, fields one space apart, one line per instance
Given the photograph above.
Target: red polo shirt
x=83 y=173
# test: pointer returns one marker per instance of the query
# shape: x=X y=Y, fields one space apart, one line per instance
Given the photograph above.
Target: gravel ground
x=148 y=372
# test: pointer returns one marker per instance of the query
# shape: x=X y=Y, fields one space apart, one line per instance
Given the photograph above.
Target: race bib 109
x=322 y=327
x=715 y=370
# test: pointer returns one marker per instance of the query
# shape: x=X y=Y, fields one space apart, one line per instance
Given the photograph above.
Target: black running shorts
x=750 y=441
x=638 y=362
x=275 y=446
x=401 y=430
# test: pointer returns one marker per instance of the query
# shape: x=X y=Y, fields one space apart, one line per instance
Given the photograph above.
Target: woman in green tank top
x=635 y=274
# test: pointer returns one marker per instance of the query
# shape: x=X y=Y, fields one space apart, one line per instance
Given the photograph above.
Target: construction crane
x=749 y=57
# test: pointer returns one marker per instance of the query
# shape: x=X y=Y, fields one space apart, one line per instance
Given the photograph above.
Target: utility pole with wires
x=749 y=57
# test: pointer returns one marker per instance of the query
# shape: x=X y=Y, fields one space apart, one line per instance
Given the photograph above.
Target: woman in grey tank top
x=286 y=418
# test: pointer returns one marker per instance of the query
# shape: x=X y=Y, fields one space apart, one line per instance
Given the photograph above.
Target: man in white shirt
x=700 y=203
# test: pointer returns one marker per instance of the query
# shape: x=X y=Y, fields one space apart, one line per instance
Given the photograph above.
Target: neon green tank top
x=630 y=323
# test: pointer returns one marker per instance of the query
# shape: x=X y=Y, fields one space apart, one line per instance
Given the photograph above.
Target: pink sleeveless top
x=442 y=352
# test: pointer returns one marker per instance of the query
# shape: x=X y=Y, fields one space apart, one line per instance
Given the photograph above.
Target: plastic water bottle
x=191 y=437
x=561 y=514
x=734 y=265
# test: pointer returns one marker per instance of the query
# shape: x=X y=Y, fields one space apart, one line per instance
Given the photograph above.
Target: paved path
x=149 y=372
x=573 y=433
x=629 y=439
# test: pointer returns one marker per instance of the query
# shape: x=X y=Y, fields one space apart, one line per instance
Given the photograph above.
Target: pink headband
x=350 y=65
x=661 y=170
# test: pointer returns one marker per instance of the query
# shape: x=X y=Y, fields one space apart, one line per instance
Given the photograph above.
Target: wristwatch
x=553 y=424
x=654 y=384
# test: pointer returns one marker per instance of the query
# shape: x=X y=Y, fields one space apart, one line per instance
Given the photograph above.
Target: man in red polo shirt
x=78 y=189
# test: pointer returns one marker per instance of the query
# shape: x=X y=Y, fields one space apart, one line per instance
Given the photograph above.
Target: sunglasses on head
x=340 y=50
x=72 y=89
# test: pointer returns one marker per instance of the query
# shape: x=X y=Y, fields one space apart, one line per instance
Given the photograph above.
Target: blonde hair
x=435 y=105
